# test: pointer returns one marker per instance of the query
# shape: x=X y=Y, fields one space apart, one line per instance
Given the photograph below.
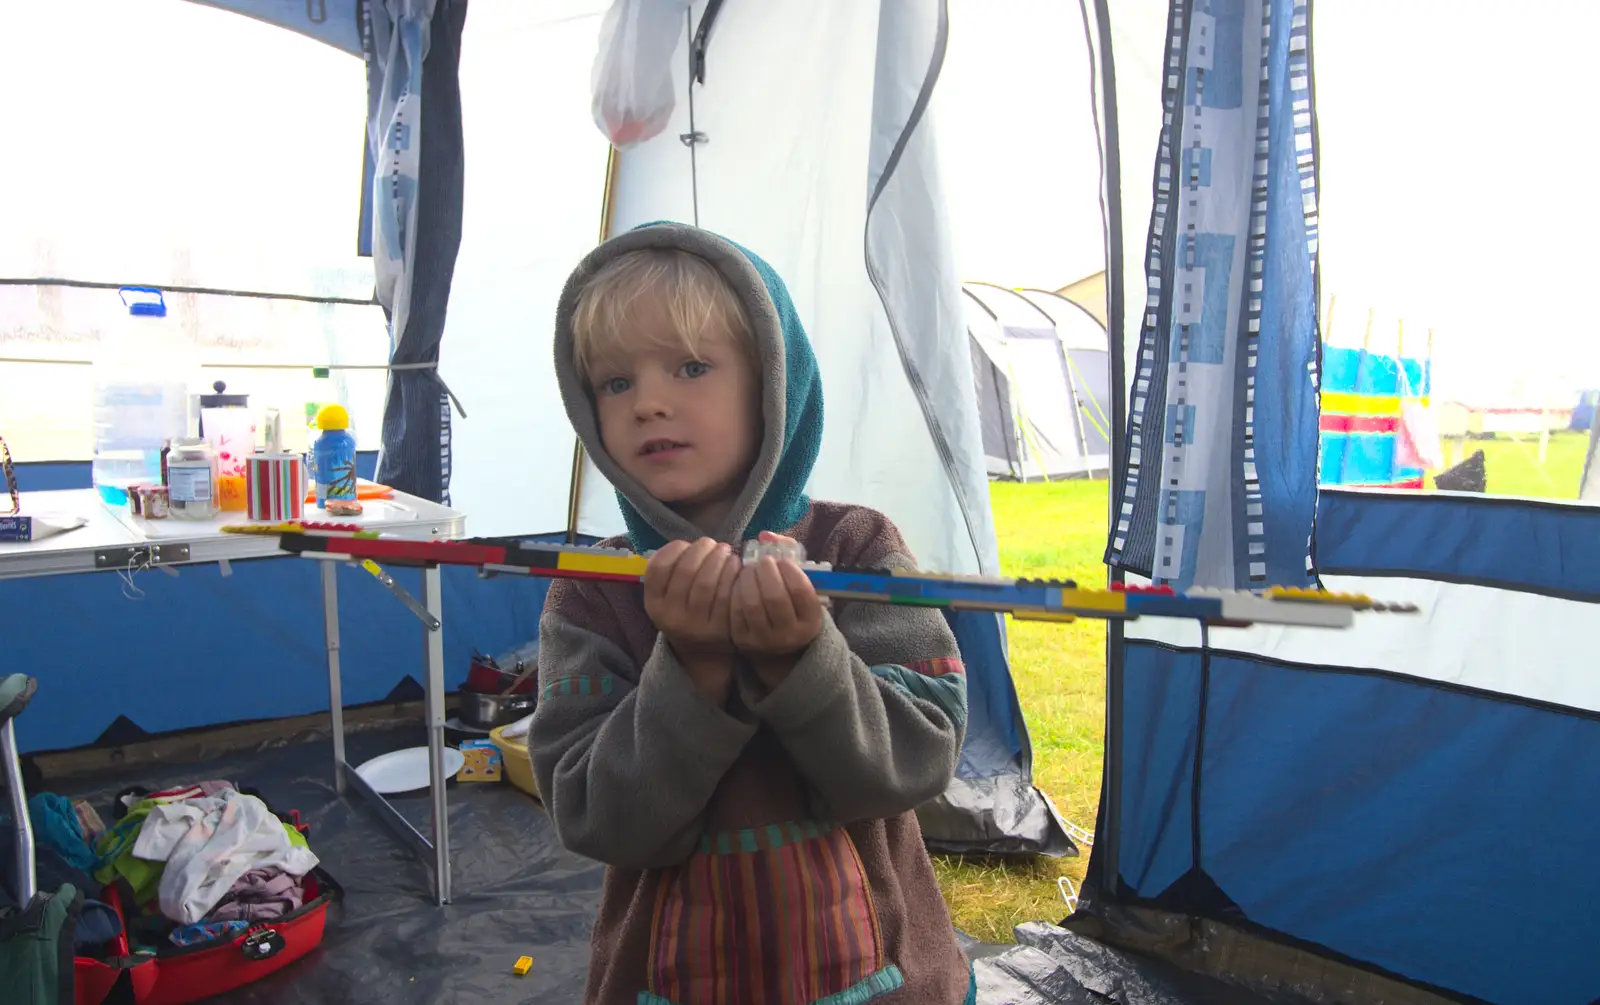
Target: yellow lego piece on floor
x=524 y=965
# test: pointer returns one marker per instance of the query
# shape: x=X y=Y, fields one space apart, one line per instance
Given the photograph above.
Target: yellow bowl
x=516 y=763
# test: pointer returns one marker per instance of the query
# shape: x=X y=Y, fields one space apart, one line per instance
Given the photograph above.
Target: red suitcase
x=93 y=979
x=194 y=973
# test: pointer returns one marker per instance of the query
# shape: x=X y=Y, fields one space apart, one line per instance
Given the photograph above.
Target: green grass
x=1059 y=531
x=1513 y=467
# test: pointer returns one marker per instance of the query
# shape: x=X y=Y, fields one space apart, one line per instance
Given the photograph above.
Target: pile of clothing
x=197 y=862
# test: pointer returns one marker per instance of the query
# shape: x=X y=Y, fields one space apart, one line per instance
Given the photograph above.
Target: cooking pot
x=487 y=711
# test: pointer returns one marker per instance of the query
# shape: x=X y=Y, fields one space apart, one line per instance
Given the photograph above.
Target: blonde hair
x=696 y=299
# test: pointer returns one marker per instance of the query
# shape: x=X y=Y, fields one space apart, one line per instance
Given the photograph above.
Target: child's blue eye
x=695 y=368
x=616 y=385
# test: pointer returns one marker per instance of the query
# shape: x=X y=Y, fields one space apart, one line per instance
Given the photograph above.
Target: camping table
x=114 y=541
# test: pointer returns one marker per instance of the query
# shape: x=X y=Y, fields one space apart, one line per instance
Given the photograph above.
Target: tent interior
x=1399 y=812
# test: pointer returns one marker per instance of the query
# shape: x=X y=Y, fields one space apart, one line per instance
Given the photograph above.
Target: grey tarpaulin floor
x=518 y=893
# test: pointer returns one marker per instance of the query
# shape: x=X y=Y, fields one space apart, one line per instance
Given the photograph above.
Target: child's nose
x=652 y=399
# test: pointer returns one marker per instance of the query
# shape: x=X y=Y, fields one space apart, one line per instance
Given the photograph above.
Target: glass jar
x=192 y=480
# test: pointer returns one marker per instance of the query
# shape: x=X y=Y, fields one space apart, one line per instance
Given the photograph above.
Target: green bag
x=36 y=948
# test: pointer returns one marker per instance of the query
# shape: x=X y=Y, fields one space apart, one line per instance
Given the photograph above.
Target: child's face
x=686 y=427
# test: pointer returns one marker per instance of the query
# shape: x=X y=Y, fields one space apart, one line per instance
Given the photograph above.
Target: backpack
x=36 y=938
x=36 y=947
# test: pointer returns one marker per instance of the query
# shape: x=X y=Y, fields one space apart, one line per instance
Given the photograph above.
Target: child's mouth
x=662 y=448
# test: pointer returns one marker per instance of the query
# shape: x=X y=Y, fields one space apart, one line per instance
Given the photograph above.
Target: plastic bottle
x=333 y=456
x=140 y=396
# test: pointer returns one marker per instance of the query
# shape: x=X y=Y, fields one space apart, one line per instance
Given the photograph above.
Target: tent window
x=177 y=145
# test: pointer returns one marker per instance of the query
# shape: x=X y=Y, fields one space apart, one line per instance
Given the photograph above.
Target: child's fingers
x=658 y=571
x=722 y=600
x=775 y=595
x=798 y=585
x=747 y=604
x=702 y=590
x=688 y=567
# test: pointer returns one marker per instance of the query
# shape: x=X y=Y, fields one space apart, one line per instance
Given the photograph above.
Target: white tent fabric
x=794 y=187
x=513 y=455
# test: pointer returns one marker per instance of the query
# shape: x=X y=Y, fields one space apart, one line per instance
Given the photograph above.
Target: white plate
x=406 y=770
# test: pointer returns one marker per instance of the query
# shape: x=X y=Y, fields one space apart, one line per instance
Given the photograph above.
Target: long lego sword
x=1025 y=599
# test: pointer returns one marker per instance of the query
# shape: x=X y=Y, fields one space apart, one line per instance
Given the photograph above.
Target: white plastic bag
x=632 y=77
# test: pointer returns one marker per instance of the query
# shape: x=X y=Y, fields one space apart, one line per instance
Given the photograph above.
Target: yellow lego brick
x=1094 y=600
x=1301 y=594
x=522 y=966
x=606 y=565
x=1061 y=617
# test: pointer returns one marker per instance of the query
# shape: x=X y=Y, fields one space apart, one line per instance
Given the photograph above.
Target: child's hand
x=776 y=614
x=687 y=591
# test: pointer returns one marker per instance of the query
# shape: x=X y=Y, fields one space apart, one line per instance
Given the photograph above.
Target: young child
x=746 y=761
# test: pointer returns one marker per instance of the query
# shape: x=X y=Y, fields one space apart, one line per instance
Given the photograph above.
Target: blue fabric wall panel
x=1283 y=450
x=201 y=649
x=1436 y=834
x=993 y=739
x=1545 y=548
x=1161 y=704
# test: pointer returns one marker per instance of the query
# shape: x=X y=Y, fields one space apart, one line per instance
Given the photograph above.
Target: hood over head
x=773 y=497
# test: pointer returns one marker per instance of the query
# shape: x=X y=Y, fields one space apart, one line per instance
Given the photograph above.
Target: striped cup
x=275 y=486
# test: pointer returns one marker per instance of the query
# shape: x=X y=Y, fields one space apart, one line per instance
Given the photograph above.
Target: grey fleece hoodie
x=766 y=851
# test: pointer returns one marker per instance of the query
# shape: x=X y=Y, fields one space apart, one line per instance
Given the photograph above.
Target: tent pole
x=1105 y=869
x=608 y=203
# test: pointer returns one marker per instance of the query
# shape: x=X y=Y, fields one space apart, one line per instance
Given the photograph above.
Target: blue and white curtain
x=1221 y=448
x=413 y=51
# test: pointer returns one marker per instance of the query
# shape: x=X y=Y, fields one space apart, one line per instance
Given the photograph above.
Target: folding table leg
x=330 y=628
x=433 y=644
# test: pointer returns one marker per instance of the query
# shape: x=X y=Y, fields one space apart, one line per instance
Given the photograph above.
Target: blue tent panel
x=994 y=715
x=1428 y=832
x=1541 y=548
x=202 y=649
x=247 y=646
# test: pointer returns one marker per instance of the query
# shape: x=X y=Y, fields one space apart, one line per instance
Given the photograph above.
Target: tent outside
x=1090 y=294
x=1041 y=369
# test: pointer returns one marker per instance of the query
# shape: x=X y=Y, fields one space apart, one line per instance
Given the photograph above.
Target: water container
x=333 y=461
x=140 y=395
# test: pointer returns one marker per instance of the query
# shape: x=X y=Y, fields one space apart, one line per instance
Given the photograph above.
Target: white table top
x=102 y=543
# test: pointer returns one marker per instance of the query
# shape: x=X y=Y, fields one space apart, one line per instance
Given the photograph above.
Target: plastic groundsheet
x=1052 y=966
x=518 y=893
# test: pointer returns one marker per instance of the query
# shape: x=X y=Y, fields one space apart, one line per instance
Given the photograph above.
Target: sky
x=1455 y=141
